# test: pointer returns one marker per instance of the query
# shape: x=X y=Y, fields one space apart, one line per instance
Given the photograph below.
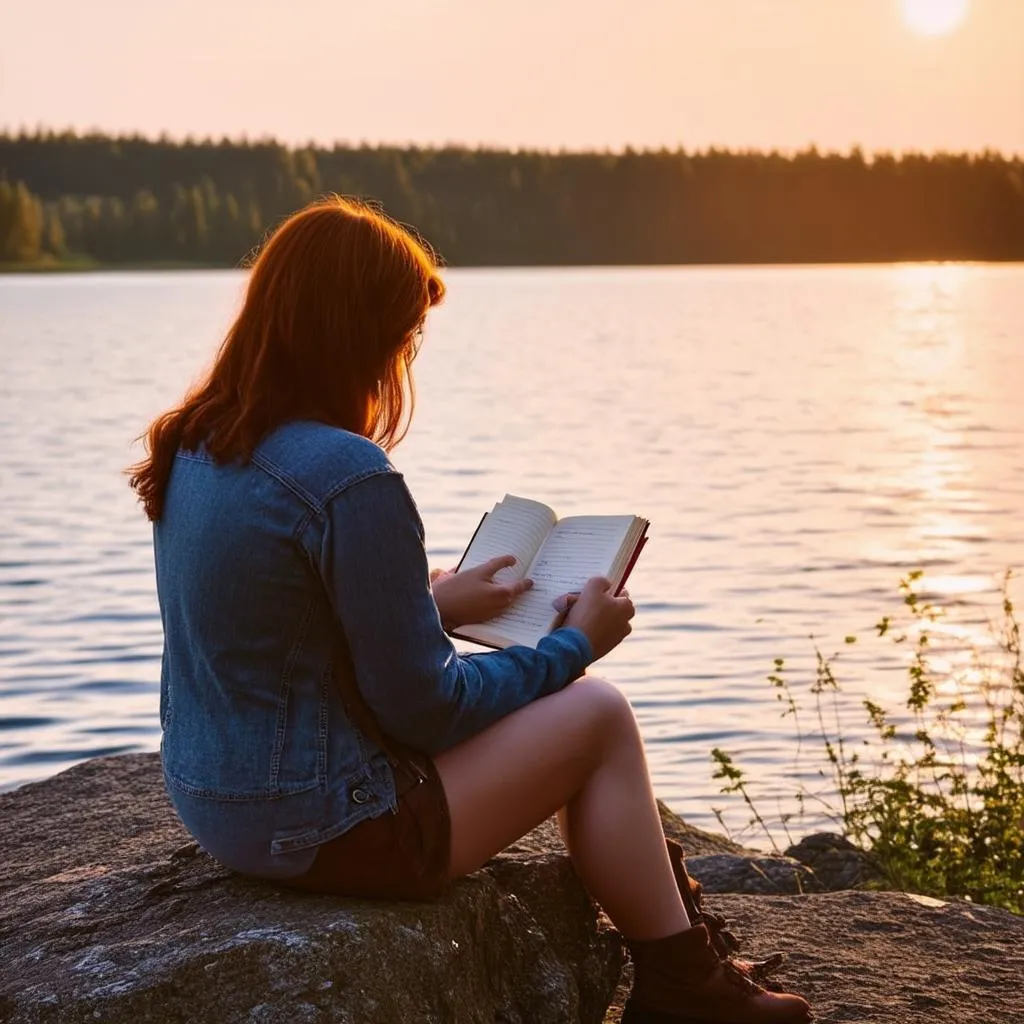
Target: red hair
x=327 y=332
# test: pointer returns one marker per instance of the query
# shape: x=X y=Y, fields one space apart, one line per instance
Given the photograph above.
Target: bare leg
x=578 y=752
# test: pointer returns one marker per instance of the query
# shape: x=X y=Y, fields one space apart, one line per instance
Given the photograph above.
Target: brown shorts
x=399 y=856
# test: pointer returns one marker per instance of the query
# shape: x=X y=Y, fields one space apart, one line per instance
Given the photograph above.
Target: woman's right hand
x=601 y=616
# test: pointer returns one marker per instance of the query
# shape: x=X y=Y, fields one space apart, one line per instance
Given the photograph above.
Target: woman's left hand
x=473 y=595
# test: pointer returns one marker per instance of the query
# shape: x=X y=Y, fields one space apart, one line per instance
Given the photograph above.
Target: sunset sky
x=537 y=73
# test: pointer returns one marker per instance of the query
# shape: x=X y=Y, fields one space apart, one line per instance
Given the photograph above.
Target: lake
x=799 y=437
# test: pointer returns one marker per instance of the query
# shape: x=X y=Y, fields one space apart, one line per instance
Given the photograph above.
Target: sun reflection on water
x=936 y=492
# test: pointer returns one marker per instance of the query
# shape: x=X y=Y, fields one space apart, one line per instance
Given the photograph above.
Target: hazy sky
x=550 y=73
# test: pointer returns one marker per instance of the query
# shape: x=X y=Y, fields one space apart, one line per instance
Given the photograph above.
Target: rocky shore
x=109 y=913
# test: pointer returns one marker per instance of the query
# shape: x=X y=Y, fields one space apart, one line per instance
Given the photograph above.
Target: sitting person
x=319 y=728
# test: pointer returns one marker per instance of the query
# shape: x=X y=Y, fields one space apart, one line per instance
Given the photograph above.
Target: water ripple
x=799 y=437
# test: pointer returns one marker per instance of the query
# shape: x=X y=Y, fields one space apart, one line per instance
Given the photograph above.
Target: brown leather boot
x=682 y=980
x=723 y=941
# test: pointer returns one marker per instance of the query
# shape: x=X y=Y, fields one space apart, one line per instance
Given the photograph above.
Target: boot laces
x=717 y=925
x=739 y=978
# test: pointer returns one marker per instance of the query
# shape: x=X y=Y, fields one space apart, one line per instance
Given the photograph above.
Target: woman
x=319 y=729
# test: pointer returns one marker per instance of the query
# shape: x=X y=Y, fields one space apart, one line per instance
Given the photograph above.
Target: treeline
x=130 y=199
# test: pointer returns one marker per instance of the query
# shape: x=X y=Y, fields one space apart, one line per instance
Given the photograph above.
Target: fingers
x=493 y=565
x=628 y=607
x=597 y=584
x=517 y=588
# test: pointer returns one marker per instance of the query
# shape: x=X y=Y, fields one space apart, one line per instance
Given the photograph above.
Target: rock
x=771 y=876
x=110 y=913
x=885 y=957
x=694 y=841
x=836 y=862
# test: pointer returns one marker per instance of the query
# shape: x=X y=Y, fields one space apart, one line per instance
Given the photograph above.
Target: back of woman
x=255 y=733
x=319 y=728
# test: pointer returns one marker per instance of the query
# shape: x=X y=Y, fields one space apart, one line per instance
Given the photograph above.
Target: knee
x=605 y=707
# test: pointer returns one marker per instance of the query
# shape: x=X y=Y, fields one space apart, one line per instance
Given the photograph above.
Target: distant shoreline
x=120 y=200
x=85 y=266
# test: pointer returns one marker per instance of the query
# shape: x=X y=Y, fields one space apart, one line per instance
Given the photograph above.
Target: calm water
x=799 y=438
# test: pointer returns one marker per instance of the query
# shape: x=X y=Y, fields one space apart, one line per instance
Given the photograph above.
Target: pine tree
x=21 y=224
x=7 y=205
x=54 y=240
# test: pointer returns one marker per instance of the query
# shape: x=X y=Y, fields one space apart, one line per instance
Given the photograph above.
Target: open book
x=559 y=555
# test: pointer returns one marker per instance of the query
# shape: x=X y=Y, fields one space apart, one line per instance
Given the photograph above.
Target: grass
x=935 y=792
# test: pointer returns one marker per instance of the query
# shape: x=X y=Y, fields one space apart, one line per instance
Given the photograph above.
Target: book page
x=576 y=549
x=516 y=526
x=631 y=548
x=529 y=619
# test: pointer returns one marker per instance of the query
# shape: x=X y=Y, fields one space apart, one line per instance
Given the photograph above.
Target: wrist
x=580 y=640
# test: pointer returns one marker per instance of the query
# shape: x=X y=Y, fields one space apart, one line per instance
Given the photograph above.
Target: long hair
x=327 y=332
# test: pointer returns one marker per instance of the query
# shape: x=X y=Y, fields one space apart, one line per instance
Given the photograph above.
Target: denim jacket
x=261 y=567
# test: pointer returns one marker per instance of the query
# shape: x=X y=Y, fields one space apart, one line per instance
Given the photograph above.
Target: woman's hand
x=473 y=595
x=596 y=612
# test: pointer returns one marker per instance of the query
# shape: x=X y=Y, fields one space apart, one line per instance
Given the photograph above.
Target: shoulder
x=318 y=461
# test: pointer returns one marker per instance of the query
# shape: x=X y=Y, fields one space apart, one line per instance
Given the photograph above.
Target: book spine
x=641 y=544
x=471 y=539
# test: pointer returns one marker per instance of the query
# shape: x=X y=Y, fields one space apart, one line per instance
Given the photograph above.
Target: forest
x=95 y=199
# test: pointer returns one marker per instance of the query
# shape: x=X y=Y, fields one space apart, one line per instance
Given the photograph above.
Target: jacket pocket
x=359 y=798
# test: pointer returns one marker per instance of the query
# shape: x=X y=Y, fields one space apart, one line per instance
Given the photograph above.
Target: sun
x=934 y=17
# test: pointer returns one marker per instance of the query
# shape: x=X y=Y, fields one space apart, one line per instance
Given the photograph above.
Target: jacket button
x=360 y=796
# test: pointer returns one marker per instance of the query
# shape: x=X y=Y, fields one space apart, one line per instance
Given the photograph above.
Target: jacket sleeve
x=424 y=694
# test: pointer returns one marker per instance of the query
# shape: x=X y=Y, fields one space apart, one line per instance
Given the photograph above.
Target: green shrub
x=937 y=799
